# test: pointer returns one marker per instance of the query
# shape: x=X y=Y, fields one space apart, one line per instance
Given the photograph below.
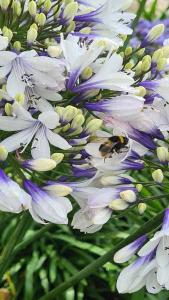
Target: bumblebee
x=114 y=145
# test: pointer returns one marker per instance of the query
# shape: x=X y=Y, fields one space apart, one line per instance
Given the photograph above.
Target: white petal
x=6 y=57
x=42 y=63
x=15 y=85
x=162 y=253
x=13 y=124
x=43 y=105
x=161 y=275
x=102 y=216
x=48 y=94
x=4 y=71
x=57 y=141
x=50 y=119
x=17 y=140
x=40 y=146
x=149 y=247
x=152 y=285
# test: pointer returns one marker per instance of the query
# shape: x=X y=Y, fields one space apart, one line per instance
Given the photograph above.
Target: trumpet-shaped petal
x=46 y=208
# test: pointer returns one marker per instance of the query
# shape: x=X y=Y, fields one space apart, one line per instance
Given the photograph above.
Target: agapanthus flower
x=39 y=130
x=106 y=19
x=12 y=197
x=151 y=267
x=46 y=208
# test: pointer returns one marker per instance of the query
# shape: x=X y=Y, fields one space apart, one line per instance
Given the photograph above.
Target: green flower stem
x=37 y=235
x=7 y=254
x=135 y=22
x=91 y=268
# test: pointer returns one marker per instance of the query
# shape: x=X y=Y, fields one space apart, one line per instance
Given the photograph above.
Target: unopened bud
x=140 y=91
x=118 y=204
x=162 y=154
x=87 y=73
x=78 y=121
x=20 y=98
x=128 y=51
x=71 y=27
x=7 y=33
x=165 y=51
x=40 y=19
x=139 y=187
x=94 y=125
x=57 y=157
x=31 y=35
x=17 y=9
x=54 y=51
x=17 y=46
x=162 y=62
x=8 y=109
x=4 y=4
x=155 y=32
x=60 y=190
x=158 y=176
x=70 y=11
x=141 y=52
x=69 y=113
x=3 y=153
x=32 y=8
x=128 y=196
x=157 y=55
x=40 y=165
x=142 y=208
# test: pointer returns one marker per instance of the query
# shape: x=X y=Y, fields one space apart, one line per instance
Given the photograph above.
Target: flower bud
x=87 y=73
x=157 y=55
x=17 y=9
x=5 y=294
x=146 y=63
x=17 y=46
x=94 y=125
x=165 y=51
x=71 y=27
x=139 y=187
x=69 y=113
x=8 y=109
x=7 y=33
x=20 y=98
x=162 y=154
x=3 y=153
x=40 y=165
x=142 y=208
x=129 y=65
x=40 y=19
x=78 y=121
x=128 y=51
x=155 y=32
x=141 y=52
x=4 y=4
x=118 y=204
x=141 y=91
x=128 y=196
x=32 y=8
x=158 y=176
x=138 y=68
x=47 y=5
x=54 y=51
x=31 y=35
x=162 y=62
x=60 y=190
x=70 y=11
x=57 y=157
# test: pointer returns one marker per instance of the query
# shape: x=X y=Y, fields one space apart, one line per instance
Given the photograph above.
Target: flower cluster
x=151 y=267
x=76 y=102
